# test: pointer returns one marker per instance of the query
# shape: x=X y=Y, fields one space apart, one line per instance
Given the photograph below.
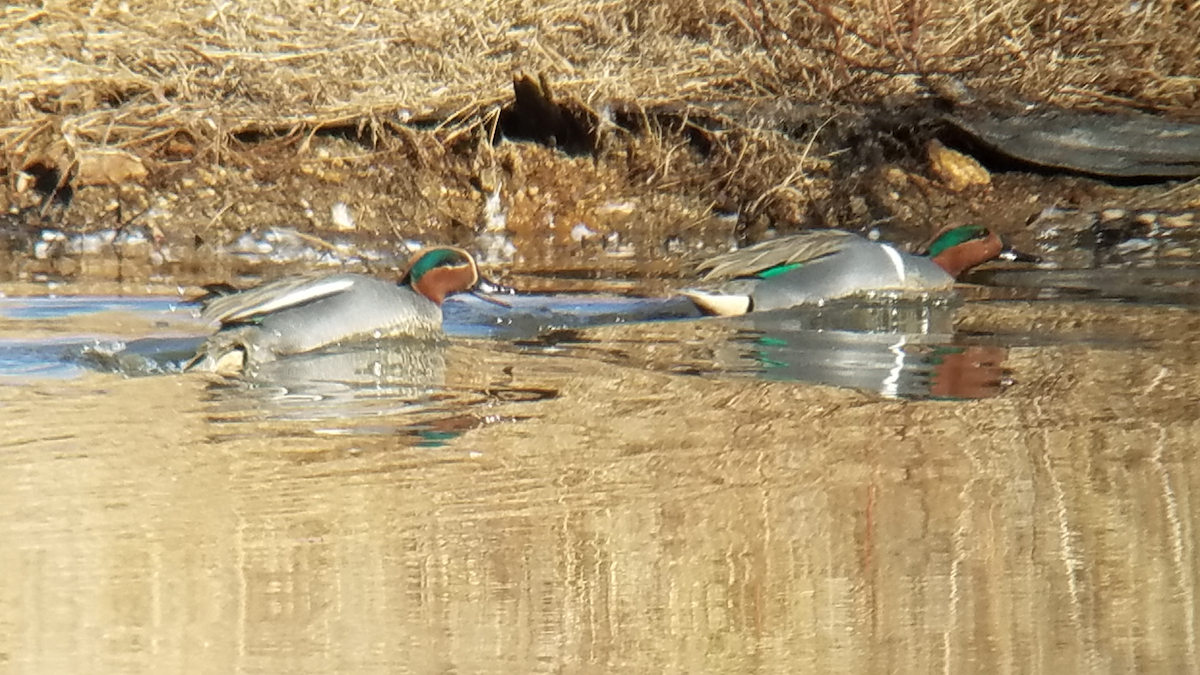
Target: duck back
x=856 y=269
x=368 y=309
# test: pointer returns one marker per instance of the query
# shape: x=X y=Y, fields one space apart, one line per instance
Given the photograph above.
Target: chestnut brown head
x=958 y=249
x=442 y=271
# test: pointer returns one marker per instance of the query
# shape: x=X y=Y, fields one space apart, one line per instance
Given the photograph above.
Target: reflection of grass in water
x=1182 y=546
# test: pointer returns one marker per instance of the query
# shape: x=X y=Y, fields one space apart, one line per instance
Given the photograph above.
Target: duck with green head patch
x=819 y=265
x=308 y=312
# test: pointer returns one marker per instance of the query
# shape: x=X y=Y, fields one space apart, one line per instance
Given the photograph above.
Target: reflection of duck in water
x=819 y=265
x=301 y=314
x=427 y=390
x=344 y=382
x=967 y=371
x=897 y=349
x=888 y=364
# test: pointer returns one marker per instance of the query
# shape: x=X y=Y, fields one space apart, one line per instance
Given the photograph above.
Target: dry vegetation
x=222 y=116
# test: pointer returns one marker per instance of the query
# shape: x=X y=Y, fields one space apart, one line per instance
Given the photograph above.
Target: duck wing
x=252 y=303
x=796 y=248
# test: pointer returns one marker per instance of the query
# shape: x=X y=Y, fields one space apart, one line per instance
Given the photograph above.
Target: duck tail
x=212 y=292
x=719 y=304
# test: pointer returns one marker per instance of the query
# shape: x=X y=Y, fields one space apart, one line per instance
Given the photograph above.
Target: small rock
x=25 y=181
x=50 y=244
x=581 y=232
x=895 y=176
x=489 y=179
x=495 y=218
x=1178 y=220
x=956 y=170
x=343 y=220
x=109 y=167
x=623 y=208
x=1133 y=246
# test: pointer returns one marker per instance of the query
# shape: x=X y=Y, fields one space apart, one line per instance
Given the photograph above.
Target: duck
x=814 y=266
x=308 y=312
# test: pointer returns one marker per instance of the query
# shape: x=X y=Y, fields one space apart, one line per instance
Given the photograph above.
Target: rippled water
x=1001 y=487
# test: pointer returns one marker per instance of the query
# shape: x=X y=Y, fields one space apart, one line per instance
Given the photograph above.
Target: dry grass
x=123 y=74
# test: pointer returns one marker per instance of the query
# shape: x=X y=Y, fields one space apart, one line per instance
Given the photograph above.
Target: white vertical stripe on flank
x=897 y=262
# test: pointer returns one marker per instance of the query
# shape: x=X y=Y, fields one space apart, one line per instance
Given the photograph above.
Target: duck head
x=958 y=249
x=442 y=271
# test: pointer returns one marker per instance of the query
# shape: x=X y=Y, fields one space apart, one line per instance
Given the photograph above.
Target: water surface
x=652 y=497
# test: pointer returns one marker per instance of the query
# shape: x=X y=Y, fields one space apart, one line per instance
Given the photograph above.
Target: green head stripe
x=777 y=270
x=955 y=237
x=438 y=257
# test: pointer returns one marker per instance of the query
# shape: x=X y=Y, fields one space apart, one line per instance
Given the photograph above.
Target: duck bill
x=487 y=290
x=1010 y=254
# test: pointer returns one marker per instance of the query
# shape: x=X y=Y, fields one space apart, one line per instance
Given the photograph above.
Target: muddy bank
x=641 y=202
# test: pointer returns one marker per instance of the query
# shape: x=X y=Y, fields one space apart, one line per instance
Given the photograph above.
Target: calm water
x=1004 y=487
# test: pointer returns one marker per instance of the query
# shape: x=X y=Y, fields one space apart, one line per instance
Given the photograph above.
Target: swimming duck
x=818 y=265
x=304 y=313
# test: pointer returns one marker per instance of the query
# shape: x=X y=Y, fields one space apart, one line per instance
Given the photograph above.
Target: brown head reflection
x=974 y=371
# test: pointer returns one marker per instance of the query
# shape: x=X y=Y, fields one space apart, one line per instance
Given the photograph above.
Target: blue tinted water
x=896 y=349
